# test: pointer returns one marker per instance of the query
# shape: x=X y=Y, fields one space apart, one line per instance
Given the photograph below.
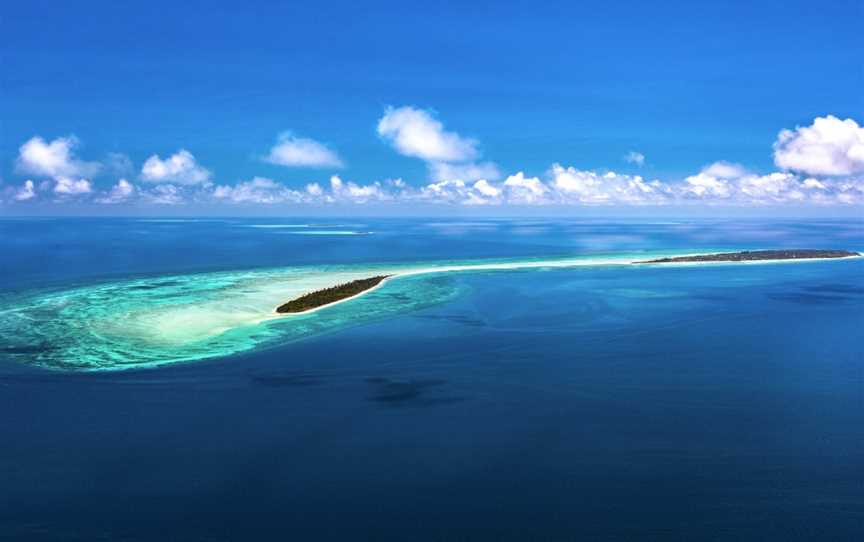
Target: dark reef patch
x=456 y=319
x=421 y=392
x=27 y=349
x=847 y=289
x=155 y=285
x=809 y=298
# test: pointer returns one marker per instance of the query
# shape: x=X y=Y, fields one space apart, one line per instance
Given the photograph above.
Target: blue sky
x=522 y=86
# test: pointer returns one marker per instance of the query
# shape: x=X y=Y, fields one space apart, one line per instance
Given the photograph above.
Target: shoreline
x=670 y=261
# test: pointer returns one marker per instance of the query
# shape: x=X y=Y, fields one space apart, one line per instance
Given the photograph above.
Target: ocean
x=144 y=395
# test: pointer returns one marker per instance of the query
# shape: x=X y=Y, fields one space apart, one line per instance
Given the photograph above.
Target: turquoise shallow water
x=153 y=321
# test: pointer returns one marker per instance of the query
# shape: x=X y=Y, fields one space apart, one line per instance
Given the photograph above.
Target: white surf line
x=539 y=264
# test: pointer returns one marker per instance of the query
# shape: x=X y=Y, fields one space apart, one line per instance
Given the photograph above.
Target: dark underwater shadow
x=409 y=393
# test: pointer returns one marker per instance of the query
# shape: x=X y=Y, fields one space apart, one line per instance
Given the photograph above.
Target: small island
x=757 y=255
x=328 y=296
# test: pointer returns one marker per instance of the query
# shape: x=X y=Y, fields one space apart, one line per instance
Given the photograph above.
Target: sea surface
x=541 y=391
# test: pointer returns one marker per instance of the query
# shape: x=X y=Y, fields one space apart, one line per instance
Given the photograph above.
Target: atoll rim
x=153 y=321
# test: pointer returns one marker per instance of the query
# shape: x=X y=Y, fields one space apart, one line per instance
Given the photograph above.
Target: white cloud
x=635 y=158
x=713 y=182
x=356 y=193
x=703 y=185
x=261 y=190
x=448 y=156
x=67 y=186
x=471 y=171
x=54 y=159
x=119 y=193
x=451 y=191
x=179 y=168
x=775 y=188
x=258 y=190
x=568 y=186
x=414 y=132
x=26 y=192
x=829 y=146
x=589 y=187
x=164 y=194
x=525 y=190
x=302 y=152
x=486 y=188
x=813 y=184
x=724 y=170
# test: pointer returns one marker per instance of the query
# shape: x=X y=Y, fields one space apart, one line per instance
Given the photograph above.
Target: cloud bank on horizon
x=819 y=164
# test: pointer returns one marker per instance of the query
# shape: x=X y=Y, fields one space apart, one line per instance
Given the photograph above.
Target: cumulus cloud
x=448 y=156
x=356 y=193
x=314 y=189
x=295 y=151
x=415 y=132
x=635 y=158
x=119 y=193
x=262 y=190
x=164 y=194
x=706 y=186
x=390 y=190
x=525 y=190
x=180 y=168
x=459 y=192
x=447 y=191
x=572 y=186
x=67 y=186
x=258 y=190
x=724 y=170
x=775 y=188
x=564 y=186
x=593 y=188
x=26 y=192
x=829 y=146
x=470 y=171
x=54 y=159
x=813 y=184
x=487 y=189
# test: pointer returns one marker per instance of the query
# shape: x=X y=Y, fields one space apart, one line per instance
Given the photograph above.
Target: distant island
x=757 y=255
x=328 y=296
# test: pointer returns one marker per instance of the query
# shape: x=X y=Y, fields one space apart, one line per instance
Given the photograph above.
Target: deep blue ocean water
x=717 y=402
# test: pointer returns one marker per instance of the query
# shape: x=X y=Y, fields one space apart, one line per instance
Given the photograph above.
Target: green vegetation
x=757 y=255
x=330 y=295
